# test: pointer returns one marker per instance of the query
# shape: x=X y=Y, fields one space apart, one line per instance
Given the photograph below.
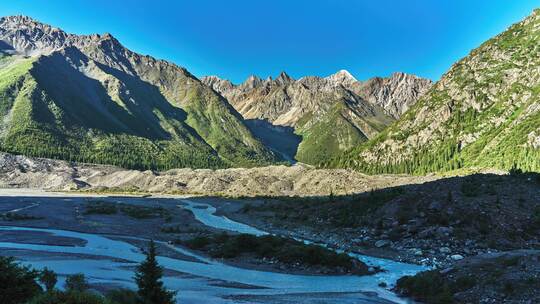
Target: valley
x=308 y=189
x=460 y=225
x=61 y=234
x=327 y=115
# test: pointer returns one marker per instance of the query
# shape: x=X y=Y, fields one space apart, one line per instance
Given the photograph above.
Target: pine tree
x=449 y=198
x=76 y=283
x=148 y=279
x=17 y=283
x=48 y=278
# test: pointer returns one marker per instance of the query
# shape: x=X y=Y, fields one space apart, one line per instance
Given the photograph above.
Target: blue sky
x=234 y=39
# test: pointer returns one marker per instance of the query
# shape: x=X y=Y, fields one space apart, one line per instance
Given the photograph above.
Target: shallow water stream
x=202 y=281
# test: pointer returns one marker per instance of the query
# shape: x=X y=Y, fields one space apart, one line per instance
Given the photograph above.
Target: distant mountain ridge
x=331 y=114
x=88 y=98
x=484 y=112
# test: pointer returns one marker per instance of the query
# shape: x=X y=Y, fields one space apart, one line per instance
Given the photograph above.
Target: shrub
x=100 y=208
x=12 y=216
x=70 y=297
x=509 y=262
x=143 y=212
x=171 y=229
x=48 y=278
x=470 y=188
x=123 y=296
x=463 y=283
x=427 y=286
x=17 y=283
x=508 y=288
x=287 y=251
x=198 y=243
x=76 y=282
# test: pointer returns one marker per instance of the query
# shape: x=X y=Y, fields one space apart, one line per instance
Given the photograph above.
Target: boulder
x=456 y=257
x=382 y=243
x=444 y=250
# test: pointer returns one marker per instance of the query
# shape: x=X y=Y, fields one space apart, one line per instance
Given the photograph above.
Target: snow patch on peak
x=342 y=77
x=345 y=73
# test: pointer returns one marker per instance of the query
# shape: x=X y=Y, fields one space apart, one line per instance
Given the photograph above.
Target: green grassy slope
x=328 y=136
x=219 y=124
x=338 y=130
x=484 y=112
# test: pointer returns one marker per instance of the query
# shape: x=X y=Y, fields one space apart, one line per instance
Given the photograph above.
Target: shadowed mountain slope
x=88 y=98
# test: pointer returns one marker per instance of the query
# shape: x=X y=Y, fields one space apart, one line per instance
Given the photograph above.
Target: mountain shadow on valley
x=281 y=139
x=477 y=212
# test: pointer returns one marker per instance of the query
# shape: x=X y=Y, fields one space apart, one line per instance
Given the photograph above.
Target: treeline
x=446 y=159
x=493 y=149
x=131 y=153
x=23 y=285
x=123 y=151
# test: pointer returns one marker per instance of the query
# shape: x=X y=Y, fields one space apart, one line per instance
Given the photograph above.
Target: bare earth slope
x=25 y=172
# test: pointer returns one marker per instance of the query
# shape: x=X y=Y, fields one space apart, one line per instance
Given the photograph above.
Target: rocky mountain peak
x=219 y=85
x=396 y=94
x=400 y=76
x=108 y=36
x=21 y=22
x=211 y=79
x=109 y=39
x=27 y=36
x=252 y=82
x=283 y=79
x=30 y=37
x=342 y=77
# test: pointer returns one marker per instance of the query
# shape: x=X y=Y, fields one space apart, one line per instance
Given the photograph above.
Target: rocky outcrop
x=396 y=94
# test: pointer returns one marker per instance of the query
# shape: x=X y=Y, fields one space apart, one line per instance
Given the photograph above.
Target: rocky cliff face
x=395 y=94
x=273 y=99
x=331 y=114
x=87 y=97
x=484 y=112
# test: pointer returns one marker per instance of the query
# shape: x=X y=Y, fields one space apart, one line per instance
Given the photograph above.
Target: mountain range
x=327 y=115
x=88 y=98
